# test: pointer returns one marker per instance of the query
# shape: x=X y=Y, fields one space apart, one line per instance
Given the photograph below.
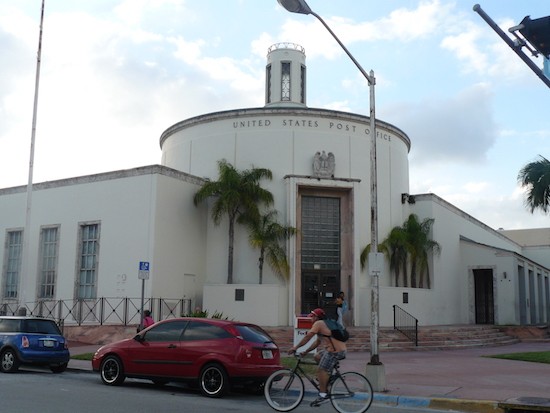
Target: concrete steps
x=430 y=338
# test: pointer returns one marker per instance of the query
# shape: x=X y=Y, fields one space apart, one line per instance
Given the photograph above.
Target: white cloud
x=403 y=25
x=457 y=129
x=476 y=187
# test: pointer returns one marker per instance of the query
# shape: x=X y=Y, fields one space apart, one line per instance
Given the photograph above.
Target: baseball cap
x=319 y=312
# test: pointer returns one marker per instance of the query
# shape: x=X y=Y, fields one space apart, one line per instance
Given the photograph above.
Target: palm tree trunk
x=261 y=265
x=428 y=277
x=230 y=252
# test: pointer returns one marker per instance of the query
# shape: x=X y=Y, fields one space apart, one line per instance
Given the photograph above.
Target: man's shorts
x=328 y=360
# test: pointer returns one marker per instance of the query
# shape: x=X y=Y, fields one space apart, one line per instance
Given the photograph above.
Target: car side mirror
x=139 y=338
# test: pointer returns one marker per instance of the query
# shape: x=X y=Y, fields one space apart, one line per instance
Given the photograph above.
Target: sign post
x=143 y=274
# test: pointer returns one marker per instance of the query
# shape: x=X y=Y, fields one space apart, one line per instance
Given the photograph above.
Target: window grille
x=320 y=232
x=48 y=259
x=268 y=85
x=14 y=248
x=285 y=81
x=303 y=85
x=89 y=249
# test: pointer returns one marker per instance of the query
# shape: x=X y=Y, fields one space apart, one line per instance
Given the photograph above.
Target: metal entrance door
x=319 y=289
x=483 y=280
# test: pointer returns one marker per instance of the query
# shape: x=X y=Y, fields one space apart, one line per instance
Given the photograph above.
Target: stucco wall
x=265 y=305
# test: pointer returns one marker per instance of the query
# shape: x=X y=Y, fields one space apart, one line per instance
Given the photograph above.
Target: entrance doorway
x=324 y=244
x=319 y=289
x=483 y=284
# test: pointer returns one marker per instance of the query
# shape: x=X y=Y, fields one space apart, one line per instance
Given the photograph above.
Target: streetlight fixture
x=536 y=32
x=535 y=36
x=375 y=259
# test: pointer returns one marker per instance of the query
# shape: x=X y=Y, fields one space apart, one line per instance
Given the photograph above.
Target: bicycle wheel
x=284 y=390
x=351 y=393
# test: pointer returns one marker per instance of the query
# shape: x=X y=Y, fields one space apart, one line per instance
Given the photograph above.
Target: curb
x=476 y=406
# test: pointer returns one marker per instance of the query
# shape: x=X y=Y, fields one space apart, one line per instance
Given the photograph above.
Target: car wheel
x=213 y=380
x=9 y=362
x=112 y=371
x=59 y=368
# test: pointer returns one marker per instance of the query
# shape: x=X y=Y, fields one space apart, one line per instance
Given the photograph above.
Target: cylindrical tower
x=285 y=75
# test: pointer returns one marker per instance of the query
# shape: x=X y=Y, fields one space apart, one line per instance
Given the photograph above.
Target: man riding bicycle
x=332 y=351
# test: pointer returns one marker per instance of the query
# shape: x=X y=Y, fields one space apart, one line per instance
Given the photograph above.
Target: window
x=9 y=325
x=268 y=85
x=285 y=81
x=48 y=262
x=303 y=85
x=203 y=331
x=14 y=249
x=320 y=232
x=40 y=326
x=89 y=250
x=253 y=334
x=170 y=331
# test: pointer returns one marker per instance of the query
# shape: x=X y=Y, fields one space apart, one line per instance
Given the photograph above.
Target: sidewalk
x=455 y=379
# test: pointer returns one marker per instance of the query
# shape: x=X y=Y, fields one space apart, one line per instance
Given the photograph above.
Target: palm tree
x=236 y=193
x=536 y=177
x=408 y=243
x=394 y=248
x=267 y=234
x=419 y=245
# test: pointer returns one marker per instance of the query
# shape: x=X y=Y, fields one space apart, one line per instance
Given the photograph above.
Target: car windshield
x=40 y=327
x=253 y=334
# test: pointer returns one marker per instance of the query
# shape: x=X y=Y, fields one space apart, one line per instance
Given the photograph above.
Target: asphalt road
x=39 y=390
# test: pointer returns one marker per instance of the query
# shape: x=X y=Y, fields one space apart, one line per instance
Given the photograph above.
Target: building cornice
x=107 y=176
x=281 y=111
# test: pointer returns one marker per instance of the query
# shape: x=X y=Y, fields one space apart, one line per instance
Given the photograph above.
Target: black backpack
x=337 y=330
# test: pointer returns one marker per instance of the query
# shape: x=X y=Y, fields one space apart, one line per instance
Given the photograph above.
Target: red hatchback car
x=215 y=354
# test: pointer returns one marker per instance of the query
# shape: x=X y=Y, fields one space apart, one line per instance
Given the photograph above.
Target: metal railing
x=105 y=310
x=405 y=323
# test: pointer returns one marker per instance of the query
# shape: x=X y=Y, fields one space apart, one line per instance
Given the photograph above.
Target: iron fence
x=105 y=310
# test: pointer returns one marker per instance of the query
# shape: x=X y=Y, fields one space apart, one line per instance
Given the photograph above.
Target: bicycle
x=349 y=392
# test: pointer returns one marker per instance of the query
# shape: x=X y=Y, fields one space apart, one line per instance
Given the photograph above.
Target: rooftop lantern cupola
x=286 y=75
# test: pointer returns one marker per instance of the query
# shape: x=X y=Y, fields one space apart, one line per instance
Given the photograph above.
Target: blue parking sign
x=144 y=266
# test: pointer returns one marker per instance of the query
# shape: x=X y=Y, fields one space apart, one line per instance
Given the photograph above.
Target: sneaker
x=319 y=400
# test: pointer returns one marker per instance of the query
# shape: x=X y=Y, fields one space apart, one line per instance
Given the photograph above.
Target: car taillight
x=24 y=342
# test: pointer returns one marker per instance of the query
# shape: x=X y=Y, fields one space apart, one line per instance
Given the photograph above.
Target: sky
x=115 y=74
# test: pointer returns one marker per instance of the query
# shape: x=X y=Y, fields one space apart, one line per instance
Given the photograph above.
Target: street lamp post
x=300 y=6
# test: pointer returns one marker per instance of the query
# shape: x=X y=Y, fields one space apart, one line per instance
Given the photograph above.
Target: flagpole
x=26 y=235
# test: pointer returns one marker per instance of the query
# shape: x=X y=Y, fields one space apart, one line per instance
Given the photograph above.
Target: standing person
x=339 y=310
x=332 y=351
x=147 y=319
x=341 y=307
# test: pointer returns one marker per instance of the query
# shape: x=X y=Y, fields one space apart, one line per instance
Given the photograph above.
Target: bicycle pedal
x=319 y=401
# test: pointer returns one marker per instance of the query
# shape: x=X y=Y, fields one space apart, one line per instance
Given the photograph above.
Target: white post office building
x=88 y=234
